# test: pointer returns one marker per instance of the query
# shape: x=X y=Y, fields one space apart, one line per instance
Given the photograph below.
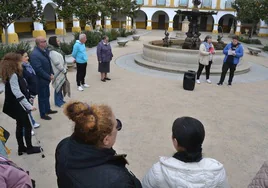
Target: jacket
x=40 y=62
x=12 y=176
x=173 y=173
x=204 y=56
x=104 y=52
x=59 y=67
x=80 y=165
x=31 y=80
x=79 y=52
x=239 y=53
x=261 y=178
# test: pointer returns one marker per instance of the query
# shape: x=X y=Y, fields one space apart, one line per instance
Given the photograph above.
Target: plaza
x=148 y=101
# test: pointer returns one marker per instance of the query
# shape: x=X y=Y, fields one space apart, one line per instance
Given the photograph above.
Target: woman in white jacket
x=59 y=68
x=206 y=51
x=187 y=168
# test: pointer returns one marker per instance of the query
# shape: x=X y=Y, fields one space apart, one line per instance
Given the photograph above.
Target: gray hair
x=81 y=36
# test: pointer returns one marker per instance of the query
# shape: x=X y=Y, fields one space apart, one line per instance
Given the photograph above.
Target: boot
x=33 y=150
x=22 y=150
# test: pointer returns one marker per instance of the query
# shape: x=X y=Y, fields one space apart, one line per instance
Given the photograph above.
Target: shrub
x=67 y=47
x=265 y=48
x=249 y=40
x=24 y=45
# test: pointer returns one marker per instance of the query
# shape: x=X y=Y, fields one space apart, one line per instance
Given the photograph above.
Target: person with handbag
x=206 y=52
x=59 y=66
x=16 y=104
x=87 y=158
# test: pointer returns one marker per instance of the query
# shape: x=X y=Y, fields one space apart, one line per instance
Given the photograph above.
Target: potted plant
x=67 y=48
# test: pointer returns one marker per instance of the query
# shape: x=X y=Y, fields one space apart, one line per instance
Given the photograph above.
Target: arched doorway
x=50 y=17
x=226 y=22
x=206 y=23
x=160 y=20
x=141 y=20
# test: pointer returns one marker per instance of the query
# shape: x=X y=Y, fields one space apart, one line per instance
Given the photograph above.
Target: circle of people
x=87 y=158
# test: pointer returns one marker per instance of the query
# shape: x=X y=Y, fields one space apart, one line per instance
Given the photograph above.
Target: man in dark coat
x=40 y=62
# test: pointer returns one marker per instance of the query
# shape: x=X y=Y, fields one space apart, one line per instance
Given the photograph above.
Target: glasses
x=119 y=125
x=43 y=41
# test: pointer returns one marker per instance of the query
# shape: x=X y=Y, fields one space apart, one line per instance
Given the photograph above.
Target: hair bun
x=76 y=111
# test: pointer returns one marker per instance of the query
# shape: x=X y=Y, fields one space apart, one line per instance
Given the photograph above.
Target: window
x=161 y=2
x=228 y=4
x=140 y=2
x=183 y=3
x=207 y=3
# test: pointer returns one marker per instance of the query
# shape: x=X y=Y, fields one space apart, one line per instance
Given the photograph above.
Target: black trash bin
x=189 y=80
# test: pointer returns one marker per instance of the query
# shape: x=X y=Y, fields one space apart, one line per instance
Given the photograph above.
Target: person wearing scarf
x=59 y=67
x=187 y=167
x=206 y=51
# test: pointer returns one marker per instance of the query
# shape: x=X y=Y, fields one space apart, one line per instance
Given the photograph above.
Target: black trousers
x=225 y=67
x=24 y=122
x=81 y=73
x=201 y=67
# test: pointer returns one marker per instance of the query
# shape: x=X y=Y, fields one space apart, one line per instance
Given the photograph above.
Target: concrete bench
x=122 y=42
x=136 y=37
x=254 y=51
x=69 y=60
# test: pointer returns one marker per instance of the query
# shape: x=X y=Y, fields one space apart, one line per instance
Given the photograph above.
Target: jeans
x=81 y=73
x=200 y=69
x=225 y=67
x=43 y=100
x=58 y=98
x=32 y=119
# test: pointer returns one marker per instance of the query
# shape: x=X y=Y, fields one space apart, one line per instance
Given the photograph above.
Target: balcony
x=228 y=4
x=161 y=2
x=206 y=4
x=140 y=2
x=183 y=3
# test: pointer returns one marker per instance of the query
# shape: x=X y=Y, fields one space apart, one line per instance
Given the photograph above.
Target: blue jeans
x=43 y=99
x=58 y=98
x=32 y=119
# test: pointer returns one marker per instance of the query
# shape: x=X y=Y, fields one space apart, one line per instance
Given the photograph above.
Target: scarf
x=207 y=45
x=28 y=67
x=51 y=48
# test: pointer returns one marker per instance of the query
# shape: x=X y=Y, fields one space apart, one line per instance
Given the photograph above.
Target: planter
x=136 y=37
x=122 y=42
x=69 y=60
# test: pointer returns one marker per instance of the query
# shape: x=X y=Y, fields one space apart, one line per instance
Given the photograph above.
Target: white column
x=76 y=25
x=263 y=32
x=88 y=26
x=216 y=24
x=12 y=35
x=149 y=25
x=238 y=28
x=38 y=30
x=128 y=23
x=108 y=23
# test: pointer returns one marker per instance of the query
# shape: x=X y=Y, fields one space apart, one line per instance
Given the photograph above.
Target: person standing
x=40 y=62
x=206 y=51
x=59 y=68
x=233 y=52
x=105 y=55
x=16 y=104
x=31 y=79
x=80 y=56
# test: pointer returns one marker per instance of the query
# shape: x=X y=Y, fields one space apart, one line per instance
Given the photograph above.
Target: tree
x=12 y=10
x=251 y=11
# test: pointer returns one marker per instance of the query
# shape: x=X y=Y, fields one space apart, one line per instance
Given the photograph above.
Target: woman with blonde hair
x=86 y=159
x=17 y=105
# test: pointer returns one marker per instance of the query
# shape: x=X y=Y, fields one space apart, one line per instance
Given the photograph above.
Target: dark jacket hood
x=80 y=155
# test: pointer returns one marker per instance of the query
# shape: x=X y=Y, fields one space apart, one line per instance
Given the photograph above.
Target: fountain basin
x=175 y=59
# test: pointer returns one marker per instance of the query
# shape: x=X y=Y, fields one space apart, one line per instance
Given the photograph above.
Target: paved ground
x=235 y=118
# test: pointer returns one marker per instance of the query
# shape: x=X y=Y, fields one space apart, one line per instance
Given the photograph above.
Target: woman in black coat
x=86 y=159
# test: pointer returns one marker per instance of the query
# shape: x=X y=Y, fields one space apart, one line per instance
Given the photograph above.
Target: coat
x=79 y=52
x=204 y=56
x=239 y=53
x=261 y=178
x=104 y=52
x=40 y=62
x=79 y=165
x=59 y=67
x=12 y=176
x=170 y=172
x=31 y=79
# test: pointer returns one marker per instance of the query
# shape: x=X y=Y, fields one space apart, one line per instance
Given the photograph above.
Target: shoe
x=208 y=81
x=103 y=80
x=219 y=84
x=52 y=111
x=46 y=117
x=34 y=149
x=107 y=78
x=198 y=81
x=36 y=125
x=86 y=85
x=32 y=132
x=22 y=150
x=79 y=88
x=229 y=84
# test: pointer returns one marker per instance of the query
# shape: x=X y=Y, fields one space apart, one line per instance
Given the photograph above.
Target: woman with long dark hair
x=17 y=104
x=187 y=167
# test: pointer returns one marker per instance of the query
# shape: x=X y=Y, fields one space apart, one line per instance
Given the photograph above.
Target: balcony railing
x=140 y=2
x=207 y=4
x=228 y=4
x=183 y=3
x=161 y=2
